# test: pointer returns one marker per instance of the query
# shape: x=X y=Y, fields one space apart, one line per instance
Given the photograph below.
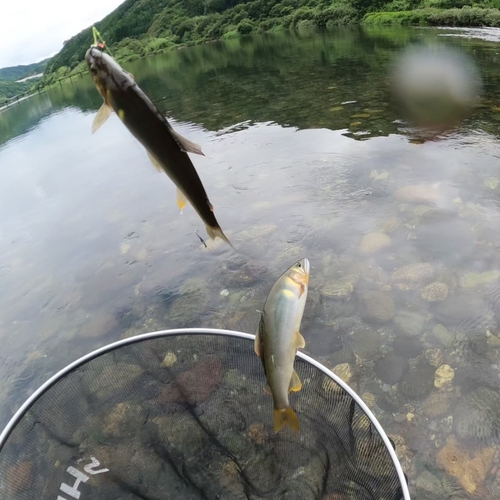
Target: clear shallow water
x=93 y=249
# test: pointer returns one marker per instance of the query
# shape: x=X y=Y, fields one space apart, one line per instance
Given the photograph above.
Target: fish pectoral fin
x=102 y=115
x=283 y=417
x=187 y=145
x=267 y=390
x=181 y=199
x=156 y=165
x=299 y=341
x=295 y=383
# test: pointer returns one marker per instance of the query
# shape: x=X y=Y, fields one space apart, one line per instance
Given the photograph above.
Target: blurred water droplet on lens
x=438 y=86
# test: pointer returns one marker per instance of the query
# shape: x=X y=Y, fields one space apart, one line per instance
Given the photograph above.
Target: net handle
x=197 y=331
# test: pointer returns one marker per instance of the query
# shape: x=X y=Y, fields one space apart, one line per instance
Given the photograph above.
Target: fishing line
x=99 y=41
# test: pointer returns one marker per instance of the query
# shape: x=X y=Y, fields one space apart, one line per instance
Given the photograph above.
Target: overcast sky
x=32 y=30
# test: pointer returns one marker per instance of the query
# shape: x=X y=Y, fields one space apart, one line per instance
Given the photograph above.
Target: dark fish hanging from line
x=166 y=148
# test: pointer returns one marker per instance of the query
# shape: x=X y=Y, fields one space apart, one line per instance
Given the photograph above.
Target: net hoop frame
x=196 y=331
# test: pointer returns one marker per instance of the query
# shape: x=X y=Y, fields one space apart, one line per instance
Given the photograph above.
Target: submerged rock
x=193 y=285
x=182 y=432
x=425 y=211
x=443 y=376
x=230 y=479
x=235 y=380
x=477 y=416
x=186 y=310
x=196 y=384
x=413 y=276
x=98 y=325
x=468 y=467
x=491 y=182
x=256 y=233
x=466 y=311
x=344 y=355
x=123 y=420
x=438 y=404
x=366 y=342
x=418 y=383
x=114 y=379
x=369 y=399
x=344 y=372
x=391 y=368
x=374 y=242
x=388 y=403
x=409 y=324
x=418 y=193
x=307 y=480
x=430 y=485
x=435 y=357
x=470 y=280
x=257 y=433
x=434 y=292
x=327 y=338
x=18 y=478
x=379 y=177
x=377 y=306
x=337 y=289
x=169 y=360
x=407 y=347
x=443 y=335
x=448 y=240
x=247 y=274
x=493 y=341
x=390 y=225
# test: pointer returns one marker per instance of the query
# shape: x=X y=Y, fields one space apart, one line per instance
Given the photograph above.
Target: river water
x=306 y=154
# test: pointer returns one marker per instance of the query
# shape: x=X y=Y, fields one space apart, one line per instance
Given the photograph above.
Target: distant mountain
x=14 y=73
x=9 y=85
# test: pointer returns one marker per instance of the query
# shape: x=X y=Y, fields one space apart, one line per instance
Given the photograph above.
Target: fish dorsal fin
x=187 y=145
x=295 y=383
x=258 y=337
x=256 y=344
x=181 y=200
x=299 y=341
x=154 y=162
x=102 y=115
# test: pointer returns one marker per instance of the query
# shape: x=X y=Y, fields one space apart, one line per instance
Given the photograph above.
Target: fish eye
x=298 y=264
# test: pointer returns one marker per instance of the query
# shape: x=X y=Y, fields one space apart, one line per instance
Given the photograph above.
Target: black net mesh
x=185 y=417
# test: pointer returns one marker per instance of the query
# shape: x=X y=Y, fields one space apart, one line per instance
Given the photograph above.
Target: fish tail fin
x=214 y=231
x=283 y=417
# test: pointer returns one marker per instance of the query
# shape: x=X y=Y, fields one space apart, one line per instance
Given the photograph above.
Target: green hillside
x=140 y=27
